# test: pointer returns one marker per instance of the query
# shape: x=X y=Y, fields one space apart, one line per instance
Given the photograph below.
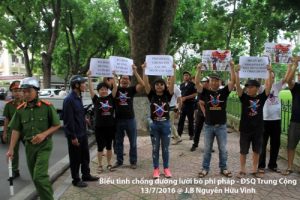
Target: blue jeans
x=128 y=125
x=160 y=131
x=210 y=131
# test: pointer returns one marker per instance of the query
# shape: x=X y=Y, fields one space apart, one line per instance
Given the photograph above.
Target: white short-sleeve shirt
x=177 y=93
x=272 y=107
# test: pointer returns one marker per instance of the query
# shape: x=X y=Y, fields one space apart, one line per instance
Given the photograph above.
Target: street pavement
x=127 y=183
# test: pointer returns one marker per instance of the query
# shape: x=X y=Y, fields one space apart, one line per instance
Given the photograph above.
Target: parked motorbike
x=90 y=118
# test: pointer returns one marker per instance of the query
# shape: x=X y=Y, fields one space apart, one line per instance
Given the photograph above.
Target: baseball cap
x=215 y=76
x=205 y=79
x=186 y=72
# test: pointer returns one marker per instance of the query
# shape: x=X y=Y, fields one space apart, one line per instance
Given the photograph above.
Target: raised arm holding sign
x=253 y=67
x=279 y=53
x=100 y=67
x=218 y=60
x=121 y=65
x=159 y=65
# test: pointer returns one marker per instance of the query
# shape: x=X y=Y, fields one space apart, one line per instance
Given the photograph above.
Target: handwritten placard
x=159 y=65
x=278 y=53
x=218 y=60
x=100 y=67
x=121 y=65
x=253 y=67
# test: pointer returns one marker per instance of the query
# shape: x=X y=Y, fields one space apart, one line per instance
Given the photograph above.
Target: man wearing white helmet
x=36 y=120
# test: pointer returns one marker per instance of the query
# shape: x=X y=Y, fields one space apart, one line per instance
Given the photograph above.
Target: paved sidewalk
x=185 y=184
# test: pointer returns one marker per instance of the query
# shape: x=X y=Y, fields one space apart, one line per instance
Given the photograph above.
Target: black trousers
x=79 y=158
x=272 y=130
x=198 y=127
x=186 y=111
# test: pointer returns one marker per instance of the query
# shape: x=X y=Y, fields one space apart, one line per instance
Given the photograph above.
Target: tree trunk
x=46 y=62
x=27 y=63
x=231 y=27
x=47 y=56
x=150 y=27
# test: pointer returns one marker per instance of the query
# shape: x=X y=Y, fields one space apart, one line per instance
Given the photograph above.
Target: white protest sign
x=278 y=53
x=121 y=65
x=218 y=60
x=159 y=65
x=253 y=67
x=100 y=67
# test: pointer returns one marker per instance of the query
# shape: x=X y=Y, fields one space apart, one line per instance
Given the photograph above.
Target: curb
x=29 y=192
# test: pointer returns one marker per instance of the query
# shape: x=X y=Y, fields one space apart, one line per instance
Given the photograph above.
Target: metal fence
x=234 y=109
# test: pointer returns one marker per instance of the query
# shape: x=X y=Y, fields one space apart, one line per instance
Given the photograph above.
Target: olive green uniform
x=30 y=121
x=9 y=111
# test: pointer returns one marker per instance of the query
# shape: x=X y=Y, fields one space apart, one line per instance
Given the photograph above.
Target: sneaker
x=156 y=173
x=80 y=184
x=90 y=178
x=193 y=148
x=167 y=173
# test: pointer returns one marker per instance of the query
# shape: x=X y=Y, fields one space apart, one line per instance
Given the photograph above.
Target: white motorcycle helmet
x=30 y=82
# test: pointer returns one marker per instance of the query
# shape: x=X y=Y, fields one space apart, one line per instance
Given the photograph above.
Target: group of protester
x=33 y=121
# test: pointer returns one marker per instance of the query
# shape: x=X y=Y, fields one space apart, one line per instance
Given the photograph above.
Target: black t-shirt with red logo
x=104 y=110
x=215 y=105
x=252 y=112
x=124 y=102
x=159 y=105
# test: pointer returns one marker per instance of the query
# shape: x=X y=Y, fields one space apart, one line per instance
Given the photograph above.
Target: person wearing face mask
x=36 y=120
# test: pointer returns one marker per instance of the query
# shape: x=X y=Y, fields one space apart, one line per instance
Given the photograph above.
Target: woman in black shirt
x=160 y=130
x=104 y=122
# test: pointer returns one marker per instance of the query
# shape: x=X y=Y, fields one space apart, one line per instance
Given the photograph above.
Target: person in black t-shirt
x=251 y=123
x=215 y=118
x=293 y=132
x=104 y=120
x=125 y=117
x=188 y=94
x=160 y=130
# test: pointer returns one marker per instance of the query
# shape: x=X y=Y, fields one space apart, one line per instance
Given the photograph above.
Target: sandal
x=100 y=169
x=226 y=173
x=241 y=175
x=203 y=173
x=261 y=170
x=287 y=172
x=257 y=174
x=110 y=168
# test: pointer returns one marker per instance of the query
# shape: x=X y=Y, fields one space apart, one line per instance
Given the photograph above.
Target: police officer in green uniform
x=9 y=110
x=35 y=120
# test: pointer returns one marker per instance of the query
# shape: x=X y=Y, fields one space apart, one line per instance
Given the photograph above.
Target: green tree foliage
x=88 y=29
x=20 y=29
